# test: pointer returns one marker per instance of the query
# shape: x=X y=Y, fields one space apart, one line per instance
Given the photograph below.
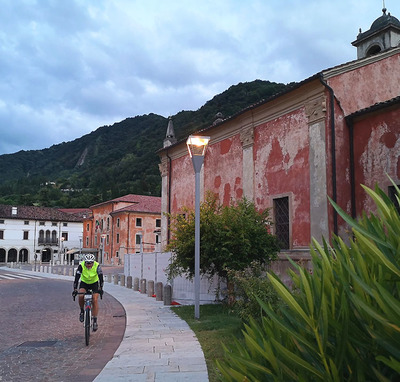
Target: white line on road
x=11 y=276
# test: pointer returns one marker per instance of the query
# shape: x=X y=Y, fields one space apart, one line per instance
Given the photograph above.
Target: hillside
x=112 y=160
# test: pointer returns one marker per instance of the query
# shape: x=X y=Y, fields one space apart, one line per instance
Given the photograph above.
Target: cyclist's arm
x=100 y=274
x=77 y=276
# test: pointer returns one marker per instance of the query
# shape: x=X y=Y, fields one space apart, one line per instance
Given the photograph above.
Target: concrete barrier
x=136 y=284
x=159 y=291
x=129 y=282
x=167 y=295
x=150 y=288
x=143 y=286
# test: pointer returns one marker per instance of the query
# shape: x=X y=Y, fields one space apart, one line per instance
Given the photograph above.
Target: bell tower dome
x=383 y=34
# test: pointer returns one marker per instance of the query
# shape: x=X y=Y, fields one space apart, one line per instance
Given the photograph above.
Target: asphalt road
x=41 y=338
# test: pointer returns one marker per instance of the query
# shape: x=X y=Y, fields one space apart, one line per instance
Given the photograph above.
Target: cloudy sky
x=68 y=67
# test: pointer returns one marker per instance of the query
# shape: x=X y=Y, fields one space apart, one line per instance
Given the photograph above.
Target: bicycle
x=87 y=323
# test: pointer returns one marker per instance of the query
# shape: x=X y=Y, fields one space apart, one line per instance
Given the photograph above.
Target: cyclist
x=91 y=275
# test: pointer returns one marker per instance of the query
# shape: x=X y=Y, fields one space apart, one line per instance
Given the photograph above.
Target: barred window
x=282 y=224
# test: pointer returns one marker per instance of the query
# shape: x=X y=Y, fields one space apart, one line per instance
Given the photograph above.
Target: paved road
x=41 y=338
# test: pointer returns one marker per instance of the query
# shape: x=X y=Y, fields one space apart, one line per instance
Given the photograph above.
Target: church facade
x=324 y=137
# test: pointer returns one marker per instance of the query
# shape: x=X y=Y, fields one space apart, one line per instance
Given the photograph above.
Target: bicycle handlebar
x=87 y=292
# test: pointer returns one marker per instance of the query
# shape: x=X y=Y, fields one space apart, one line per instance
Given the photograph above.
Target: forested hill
x=113 y=160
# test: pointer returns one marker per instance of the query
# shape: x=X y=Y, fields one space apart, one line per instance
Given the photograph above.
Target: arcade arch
x=12 y=255
x=23 y=255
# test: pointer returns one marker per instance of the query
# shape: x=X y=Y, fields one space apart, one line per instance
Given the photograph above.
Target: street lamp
x=102 y=237
x=61 y=257
x=197 y=146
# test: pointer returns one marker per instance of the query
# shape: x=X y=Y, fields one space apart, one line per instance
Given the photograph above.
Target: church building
x=323 y=137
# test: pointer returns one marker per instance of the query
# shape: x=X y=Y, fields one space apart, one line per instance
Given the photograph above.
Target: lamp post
x=80 y=248
x=197 y=146
x=103 y=236
x=62 y=254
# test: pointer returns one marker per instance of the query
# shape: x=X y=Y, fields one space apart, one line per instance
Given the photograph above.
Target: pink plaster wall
x=377 y=153
x=382 y=76
x=224 y=169
x=183 y=184
x=282 y=167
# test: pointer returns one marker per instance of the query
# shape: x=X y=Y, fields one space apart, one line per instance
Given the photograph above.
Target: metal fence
x=153 y=266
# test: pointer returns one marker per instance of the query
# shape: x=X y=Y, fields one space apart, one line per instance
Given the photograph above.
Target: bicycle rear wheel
x=87 y=326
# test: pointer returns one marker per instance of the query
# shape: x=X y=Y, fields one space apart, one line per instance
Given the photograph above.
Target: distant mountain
x=113 y=160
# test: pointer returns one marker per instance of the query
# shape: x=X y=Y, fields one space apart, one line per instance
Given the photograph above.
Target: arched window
x=375 y=49
x=54 y=237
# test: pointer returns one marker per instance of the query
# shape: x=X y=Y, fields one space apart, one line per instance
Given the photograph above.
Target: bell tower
x=383 y=34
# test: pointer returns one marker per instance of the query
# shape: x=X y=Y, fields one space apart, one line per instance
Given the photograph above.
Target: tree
x=231 y=237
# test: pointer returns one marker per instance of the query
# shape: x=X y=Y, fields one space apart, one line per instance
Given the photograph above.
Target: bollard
x=122 y=280
x=136 y=284
x=143 y=286
x=65 y=271
x=70 y=272
x=115 y=279
x=109 y=278
x=159 y=291
x=150 y=288
x=44 y=269
x=41 y=268
x=167 y=295
x=129 y=282
x=33 y=268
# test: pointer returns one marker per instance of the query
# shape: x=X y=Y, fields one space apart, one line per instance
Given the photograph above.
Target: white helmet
x=89 y=258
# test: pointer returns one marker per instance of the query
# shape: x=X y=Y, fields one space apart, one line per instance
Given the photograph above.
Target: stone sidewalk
x=157 y=345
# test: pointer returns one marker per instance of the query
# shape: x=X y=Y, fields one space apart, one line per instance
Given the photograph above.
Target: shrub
x=252 y=285
x=343 y=323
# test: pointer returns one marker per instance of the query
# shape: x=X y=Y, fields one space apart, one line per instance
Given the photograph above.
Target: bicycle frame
x=88 y=297
x=88 y=301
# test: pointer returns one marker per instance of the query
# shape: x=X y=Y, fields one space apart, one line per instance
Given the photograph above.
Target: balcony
x=48 y=242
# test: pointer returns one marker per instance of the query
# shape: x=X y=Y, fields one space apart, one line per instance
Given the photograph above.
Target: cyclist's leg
x=95 y=304
x=82 y=289
x=95 y=308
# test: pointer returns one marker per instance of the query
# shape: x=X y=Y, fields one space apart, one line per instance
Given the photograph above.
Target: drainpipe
x=352 y=171
x=169 y=196
x=333 y=150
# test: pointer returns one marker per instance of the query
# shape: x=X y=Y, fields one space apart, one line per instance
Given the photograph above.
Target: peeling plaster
x=377 y=156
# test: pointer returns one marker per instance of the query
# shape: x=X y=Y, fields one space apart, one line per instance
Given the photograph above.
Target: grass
x=217 y=325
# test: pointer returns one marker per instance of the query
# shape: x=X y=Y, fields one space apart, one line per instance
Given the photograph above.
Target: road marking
x=6 y=277
x=16 y=276
x=12 y=276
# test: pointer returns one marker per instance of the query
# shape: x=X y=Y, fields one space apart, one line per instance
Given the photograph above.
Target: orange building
x=128 y=224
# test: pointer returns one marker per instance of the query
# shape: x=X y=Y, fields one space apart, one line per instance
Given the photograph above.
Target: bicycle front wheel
x=87 y=326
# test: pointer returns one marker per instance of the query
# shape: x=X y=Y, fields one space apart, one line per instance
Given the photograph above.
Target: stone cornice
x=359 y=63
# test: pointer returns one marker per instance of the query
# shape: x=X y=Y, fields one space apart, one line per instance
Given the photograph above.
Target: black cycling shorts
x=94 y=287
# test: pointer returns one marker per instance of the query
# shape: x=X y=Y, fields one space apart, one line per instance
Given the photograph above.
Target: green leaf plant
x=339 y=323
